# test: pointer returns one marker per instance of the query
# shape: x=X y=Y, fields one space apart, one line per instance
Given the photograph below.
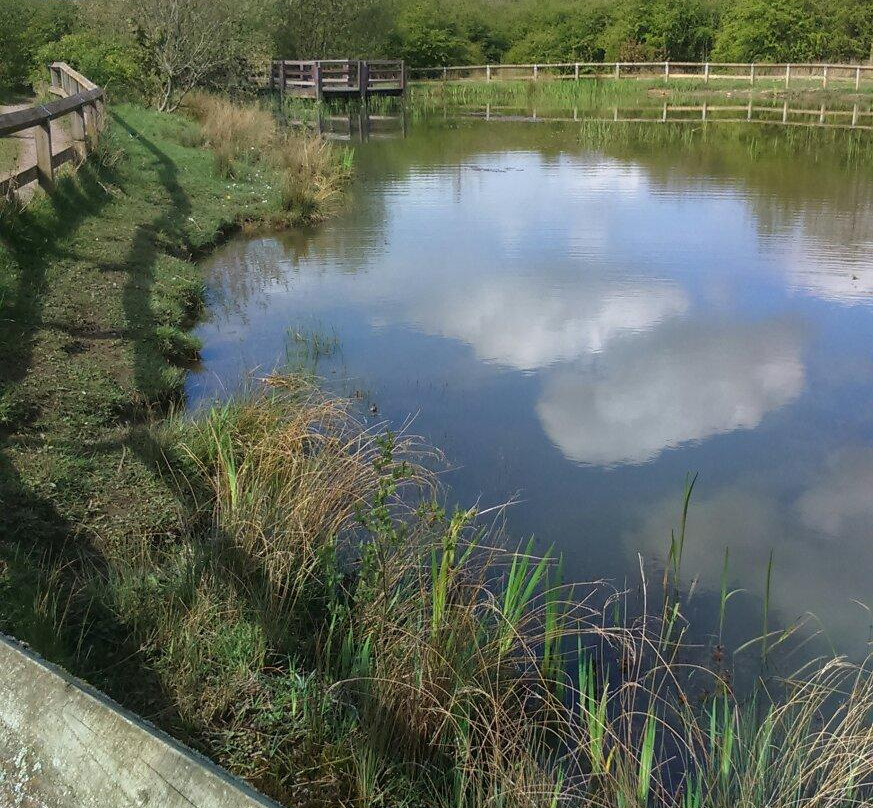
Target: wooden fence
x=800 y=74
x=782 y=114
x=82 y=101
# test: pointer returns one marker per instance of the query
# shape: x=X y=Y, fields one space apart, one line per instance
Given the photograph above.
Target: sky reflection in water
x=581 y=329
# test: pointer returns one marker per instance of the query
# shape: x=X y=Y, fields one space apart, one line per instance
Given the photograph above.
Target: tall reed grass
x=312 y=171
x=328 y=630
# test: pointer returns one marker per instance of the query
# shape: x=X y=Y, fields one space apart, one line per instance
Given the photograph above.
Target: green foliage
x=27 y=25
x=118 y=65
x=681 y=30
x=771 y=30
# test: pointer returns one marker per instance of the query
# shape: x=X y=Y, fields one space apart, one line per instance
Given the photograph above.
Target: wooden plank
x=22 y=178
x=12 y=122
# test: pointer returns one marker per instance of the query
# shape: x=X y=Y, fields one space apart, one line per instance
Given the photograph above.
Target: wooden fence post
x=706 y=73
x=576 y=71
x=272 y=81
x=617 y=69
x=752 y=74
x=44 y=170
x=824 y=77
x=749 y=111
x=666 y=72
x=403 y=77
x=536 y=72
x=787 y=76
x=857 y=78
x=90 y=113
x=282 y=78
x=855 y=115
x=78 y=132
x=785 y=112
x=487 y=72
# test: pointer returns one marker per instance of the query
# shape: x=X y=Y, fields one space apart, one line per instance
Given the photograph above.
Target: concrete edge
x=39 y=701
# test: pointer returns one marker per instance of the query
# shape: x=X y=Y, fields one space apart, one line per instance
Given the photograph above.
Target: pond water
x=578 y=325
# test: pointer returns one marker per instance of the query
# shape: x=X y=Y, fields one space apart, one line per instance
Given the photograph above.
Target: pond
x=580 y=318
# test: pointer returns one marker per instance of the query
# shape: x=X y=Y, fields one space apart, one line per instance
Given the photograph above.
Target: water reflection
x=683 y=383
x=819 y=534
x=582 y=326
x=522 y=324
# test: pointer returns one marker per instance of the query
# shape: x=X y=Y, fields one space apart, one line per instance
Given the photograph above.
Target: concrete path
x=27 y=147
x=64 y=745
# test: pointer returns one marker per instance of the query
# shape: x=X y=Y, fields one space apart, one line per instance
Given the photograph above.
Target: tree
x=27 y=25
x=771 y=31
x=192 y=42
x=661 y=29
x=323 y=29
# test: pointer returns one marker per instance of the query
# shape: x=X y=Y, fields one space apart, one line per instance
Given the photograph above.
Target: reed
x=332 y=633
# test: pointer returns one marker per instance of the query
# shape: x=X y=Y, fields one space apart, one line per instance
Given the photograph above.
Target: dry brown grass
x=312 y=172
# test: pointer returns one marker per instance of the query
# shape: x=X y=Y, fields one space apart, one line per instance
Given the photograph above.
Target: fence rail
x=82 y=101
x=708 y=71
x=784 y=114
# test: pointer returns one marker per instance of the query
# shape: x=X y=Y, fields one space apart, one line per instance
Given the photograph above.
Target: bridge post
x=364 y=79
x=319 y=88
x=44 y=169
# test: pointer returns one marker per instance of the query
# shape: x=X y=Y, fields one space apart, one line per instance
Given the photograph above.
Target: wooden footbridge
x=338 y=78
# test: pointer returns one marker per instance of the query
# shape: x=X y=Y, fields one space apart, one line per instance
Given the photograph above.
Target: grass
x=594 y=93
x=278 y=584
x=312 y=172
x=97 y=293
x=10 y=148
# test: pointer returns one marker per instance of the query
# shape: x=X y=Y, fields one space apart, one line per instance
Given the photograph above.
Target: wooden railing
x=337 y=77
x=82 y=101
x=750 y=72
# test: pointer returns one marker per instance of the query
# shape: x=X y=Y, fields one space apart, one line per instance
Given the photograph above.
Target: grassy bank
x=278 y=585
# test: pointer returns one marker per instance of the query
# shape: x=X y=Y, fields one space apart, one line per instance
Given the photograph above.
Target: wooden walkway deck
x=338 y=78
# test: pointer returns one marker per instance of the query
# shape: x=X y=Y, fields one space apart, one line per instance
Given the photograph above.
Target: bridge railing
x=823 y=73
x=82 y=101
x=336 y=76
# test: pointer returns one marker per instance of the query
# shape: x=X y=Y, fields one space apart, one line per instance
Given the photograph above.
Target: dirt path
x=25 y=155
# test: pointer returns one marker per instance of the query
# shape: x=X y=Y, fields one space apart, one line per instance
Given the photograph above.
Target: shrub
x=27 y=25
x=115 y=64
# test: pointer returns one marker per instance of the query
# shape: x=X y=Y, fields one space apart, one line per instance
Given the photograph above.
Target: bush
x=114 y=64
x=27 y=25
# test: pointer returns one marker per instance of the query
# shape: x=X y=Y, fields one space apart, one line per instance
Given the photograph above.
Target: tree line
x=161 y=48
